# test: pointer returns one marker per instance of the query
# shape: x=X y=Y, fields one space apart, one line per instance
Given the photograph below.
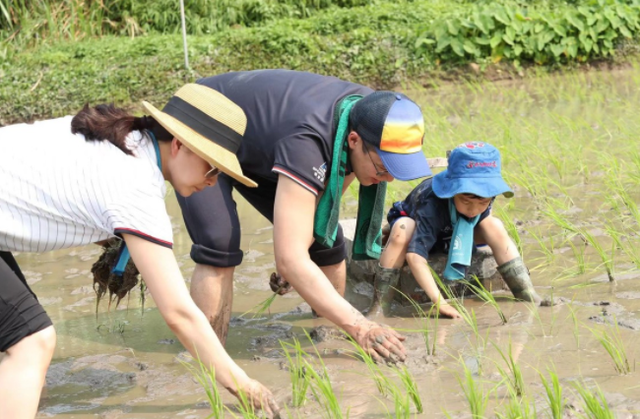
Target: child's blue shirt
x=431 y=215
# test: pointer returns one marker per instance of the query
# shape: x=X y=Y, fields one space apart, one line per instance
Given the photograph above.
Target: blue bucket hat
x=473 y=168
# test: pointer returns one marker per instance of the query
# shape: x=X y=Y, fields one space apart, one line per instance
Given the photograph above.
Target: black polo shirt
x=290 y=122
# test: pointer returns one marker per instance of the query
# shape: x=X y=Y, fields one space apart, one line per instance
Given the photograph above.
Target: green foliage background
x=56 y=56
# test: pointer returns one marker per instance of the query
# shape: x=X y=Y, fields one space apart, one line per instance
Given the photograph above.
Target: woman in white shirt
x=78 y=180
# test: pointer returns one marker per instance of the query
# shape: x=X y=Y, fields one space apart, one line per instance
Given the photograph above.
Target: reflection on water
x=568 y=145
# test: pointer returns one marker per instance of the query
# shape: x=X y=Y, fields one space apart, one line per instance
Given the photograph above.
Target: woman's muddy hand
x=449 y=311
x=258 y=396
x=278 y=284
x=383 y=344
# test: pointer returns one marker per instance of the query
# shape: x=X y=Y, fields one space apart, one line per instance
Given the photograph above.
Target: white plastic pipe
x=184 y=35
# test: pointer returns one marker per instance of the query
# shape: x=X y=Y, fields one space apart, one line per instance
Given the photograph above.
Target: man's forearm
x=312 y=285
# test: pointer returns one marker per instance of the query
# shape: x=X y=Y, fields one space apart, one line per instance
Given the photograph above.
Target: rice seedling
x=262 y=307
x=511 y=227
x=578 y=252
x=613 y=344
x=245 y=407
x=206 y=377
x=297 y=372
x=607 y=259
x=383 y=384
x=512 y=375
x=469 y=318
x=546 y=333
x=474 y=392
x=594 y=403
x=553 y=389
x=546 y=250
x=428 y=336
x=518 y=408
x=486 y=296
x=410 y=387
x=576 y=324
x=322 y=388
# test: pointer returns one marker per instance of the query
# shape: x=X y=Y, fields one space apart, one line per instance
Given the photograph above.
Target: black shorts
x=212 y=222
x=20 y=313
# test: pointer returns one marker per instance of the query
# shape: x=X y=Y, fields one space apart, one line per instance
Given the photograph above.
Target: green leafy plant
x=510 y=31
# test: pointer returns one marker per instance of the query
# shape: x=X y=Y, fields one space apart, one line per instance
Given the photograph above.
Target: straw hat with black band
x=208 y=123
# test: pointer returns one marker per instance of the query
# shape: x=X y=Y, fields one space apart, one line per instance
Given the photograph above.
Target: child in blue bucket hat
x=452 y=209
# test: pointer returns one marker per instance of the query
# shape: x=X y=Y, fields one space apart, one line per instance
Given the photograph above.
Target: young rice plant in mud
x=410 y=386
x=297 y=372
x=518 y=407
x=206 y=377
x=262 y=307
x=512 y=375
x=478 y=289
x=553 y=389
x=386 y=387
x=383 y=384
x=607 y=259
x=594 y=403
x=474 y=392
x=613 y=344
x=429 y=337
x=322 y=389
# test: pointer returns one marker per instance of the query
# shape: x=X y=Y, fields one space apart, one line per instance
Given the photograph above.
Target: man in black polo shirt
x=294 y=121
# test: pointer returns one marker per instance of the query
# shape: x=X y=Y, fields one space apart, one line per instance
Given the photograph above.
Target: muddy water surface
x=561 y=138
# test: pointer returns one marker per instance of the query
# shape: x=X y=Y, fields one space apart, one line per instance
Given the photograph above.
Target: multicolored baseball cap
x=393 y=124
x=474 y=168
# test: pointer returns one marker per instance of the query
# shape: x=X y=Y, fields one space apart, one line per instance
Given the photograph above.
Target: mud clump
x=104 y=280
x=326 y=333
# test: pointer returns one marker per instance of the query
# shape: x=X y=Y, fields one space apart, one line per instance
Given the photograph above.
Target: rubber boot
x=516 y=276
x=384 y=284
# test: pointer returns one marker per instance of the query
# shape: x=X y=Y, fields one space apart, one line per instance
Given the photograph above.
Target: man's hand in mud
x=259 y=397
x=278 y=284
x=383 y=344
x=449 y=311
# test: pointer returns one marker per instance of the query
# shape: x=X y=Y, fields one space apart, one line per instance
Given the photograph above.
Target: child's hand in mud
x=278 y=284
x=260 y=397
x=383 y=344
x=449 y=311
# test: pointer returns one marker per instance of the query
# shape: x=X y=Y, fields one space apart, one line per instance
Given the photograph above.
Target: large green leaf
x=625 y=31
x=456 y=46
x=575 y=20
x=496 y=40
x=452 y=26
x=443 y=42
x=557 y=50
x=470 y=47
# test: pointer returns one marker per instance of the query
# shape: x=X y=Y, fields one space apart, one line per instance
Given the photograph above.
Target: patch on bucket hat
x=474 y=167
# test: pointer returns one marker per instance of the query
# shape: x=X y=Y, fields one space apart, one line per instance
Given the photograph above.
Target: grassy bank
x=381 y=44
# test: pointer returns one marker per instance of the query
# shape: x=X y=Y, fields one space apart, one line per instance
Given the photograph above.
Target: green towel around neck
x=461 y=247
x=367 y=242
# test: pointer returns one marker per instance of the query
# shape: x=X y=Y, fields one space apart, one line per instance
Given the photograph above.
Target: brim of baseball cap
x=211 y=152
x=486 y=187
x=405 y=166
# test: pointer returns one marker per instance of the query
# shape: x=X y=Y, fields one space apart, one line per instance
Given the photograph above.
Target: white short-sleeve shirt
x=58 y=190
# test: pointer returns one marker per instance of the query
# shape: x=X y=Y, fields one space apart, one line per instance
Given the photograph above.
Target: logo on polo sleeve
x=320 y=172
